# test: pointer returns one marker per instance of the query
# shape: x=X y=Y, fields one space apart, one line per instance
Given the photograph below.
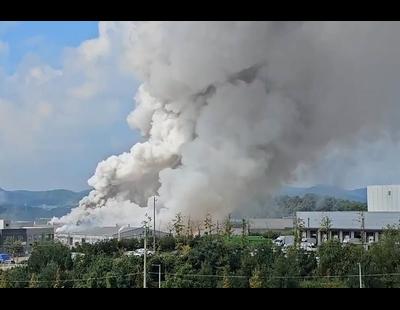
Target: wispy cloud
x=44 y=110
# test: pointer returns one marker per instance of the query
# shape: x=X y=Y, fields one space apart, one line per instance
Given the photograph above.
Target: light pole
x=159 y=275
x=359 y=272
x=145 y=255
x=154 y=224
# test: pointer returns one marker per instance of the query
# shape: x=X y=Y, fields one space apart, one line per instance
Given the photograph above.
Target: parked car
x=75 y=255
x=308 y=244
x=352 y=241
x=284 y=241
x=139 y=252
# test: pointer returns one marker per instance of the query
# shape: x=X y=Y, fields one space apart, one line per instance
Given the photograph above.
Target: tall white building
x=383 y=198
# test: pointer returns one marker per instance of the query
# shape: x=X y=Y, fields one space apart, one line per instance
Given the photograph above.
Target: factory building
x=26 y=233
x=96 y=234
x=355 y=227
x=346 y=226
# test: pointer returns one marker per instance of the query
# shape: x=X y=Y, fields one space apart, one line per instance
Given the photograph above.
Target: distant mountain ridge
x=58 y=197
x=359 y=195
x=28 y=205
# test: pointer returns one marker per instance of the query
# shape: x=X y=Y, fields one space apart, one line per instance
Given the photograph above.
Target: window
x=389 y=193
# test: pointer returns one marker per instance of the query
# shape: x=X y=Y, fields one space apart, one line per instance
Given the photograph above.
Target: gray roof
x=350 y=219
x=136 y=231
x=112 y=232
x=98 y=231
x=270 y=223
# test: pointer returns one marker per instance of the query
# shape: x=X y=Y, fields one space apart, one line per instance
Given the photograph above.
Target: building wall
x=73 y=239
x=37 y=234
x=5 y=224
x=12 y=235
x=383 y=198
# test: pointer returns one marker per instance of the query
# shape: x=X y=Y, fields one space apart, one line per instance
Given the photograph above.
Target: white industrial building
x=383 y=198
x=383 y=210
x=96 y=234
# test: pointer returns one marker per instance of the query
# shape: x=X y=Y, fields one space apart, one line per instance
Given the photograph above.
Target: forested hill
x=28 y=205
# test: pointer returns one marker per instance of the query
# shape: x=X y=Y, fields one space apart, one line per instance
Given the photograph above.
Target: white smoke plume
x=230 y=110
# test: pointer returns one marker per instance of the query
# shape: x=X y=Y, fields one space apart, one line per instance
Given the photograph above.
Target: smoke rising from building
x=229 y=111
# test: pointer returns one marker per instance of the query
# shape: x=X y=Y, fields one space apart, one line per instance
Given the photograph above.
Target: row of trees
x=217 y=261
x=287 y=205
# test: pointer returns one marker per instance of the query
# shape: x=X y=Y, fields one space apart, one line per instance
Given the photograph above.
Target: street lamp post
x=154 y=224
x=145 y=257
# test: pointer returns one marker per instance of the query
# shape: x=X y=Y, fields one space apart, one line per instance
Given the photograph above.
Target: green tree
x=189 y=229
x=33 y=282
x=226 y=281
x=208 y=224
x=256 y=279
x=338 y=260
x=167 y=243
x=49 y=252
x=228 y=227
x=14 y=247
x=18 y=277
x=184 y=277
x=325 y=226
x=285 y=271
x=384 y=258
x=58 y=281
x=48 y=274
x=178 y=225
x=299 y=226
x=4 y=281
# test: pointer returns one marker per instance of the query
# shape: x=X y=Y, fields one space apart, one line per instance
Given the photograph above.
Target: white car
x=140 y=252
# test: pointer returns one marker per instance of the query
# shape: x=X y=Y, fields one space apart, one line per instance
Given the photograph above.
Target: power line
x=281 y=277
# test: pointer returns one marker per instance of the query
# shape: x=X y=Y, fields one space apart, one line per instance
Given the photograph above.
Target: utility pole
x=154 y=225
x=359 y=273
x=363 y=229
x=145 y=255
x=159 y=276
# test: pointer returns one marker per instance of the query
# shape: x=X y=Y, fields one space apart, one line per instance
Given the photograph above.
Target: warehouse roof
x=97 y=231
x=271 y=223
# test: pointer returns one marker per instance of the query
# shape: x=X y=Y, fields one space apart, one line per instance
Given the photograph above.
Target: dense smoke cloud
x=230 y=110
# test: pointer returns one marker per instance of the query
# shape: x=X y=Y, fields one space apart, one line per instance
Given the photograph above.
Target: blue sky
x=44 y=39
x=48 y=137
